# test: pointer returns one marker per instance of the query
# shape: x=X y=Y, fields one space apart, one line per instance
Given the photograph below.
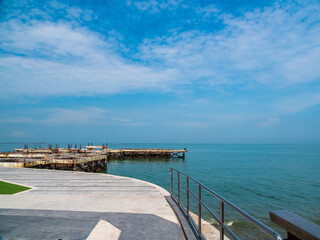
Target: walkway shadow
x=48 y=224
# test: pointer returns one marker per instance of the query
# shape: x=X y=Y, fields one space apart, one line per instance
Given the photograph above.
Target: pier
x=145 y=153
x=90 y=159
x=102 y=150
x=66 y=161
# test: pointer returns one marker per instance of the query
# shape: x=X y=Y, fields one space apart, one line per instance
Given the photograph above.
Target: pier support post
x=74 y=165
x=105 y=164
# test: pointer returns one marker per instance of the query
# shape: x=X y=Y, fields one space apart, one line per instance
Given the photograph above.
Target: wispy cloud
x=17 y=134
x=66 y=116
x=275 y=47
x=76 y=116
x=17 y=120
x=154 y=6
x=149 y=66
x=44 y=58
x=85 y=115
x=207 y=12
x=269 y=122
x=297 y=103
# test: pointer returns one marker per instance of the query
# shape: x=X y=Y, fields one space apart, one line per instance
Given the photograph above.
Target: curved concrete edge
x=209 y=231
x=162 y=190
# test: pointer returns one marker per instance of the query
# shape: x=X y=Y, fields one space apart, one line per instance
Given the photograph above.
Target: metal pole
x=199 y=211
x=178 y=188
x=74 y=165
x=171 y=181
x=221 y=220
x=187 y=199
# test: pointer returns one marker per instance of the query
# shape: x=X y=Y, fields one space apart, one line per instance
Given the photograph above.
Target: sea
x=257 y=178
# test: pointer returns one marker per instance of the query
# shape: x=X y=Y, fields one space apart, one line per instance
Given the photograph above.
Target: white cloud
x=59 y=59
x=269 y=122
x=17 y=134
x=46 y=39
x=154 y=6
x=122 y=119
x=297 y=103
x=202 y=101
x=207 y=11
x=277 y=46
x=192 y=124
x=85 y=115
x=17 y=120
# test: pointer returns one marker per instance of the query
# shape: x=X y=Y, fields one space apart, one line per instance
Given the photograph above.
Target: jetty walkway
x=77 y=205
x=91 y=159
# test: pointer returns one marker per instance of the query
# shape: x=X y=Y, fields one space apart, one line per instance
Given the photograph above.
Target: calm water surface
x=257 y=178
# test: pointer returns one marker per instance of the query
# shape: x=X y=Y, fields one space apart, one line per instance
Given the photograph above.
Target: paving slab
x=70 y=205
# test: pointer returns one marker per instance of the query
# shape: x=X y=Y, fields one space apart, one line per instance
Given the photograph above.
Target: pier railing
x=223 y=227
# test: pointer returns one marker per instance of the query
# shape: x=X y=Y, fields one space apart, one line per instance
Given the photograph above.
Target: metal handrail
x=223 y=201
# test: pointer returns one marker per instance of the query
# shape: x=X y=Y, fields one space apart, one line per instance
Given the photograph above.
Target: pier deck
x=67 y=161
x=111 y=153
x=145 y=152
x=92 y=159
x=77 y=205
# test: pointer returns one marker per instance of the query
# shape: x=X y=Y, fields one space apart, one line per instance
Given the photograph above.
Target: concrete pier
x=92 y=159
x=78 y=205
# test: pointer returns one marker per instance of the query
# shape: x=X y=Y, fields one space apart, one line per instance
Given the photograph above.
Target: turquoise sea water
x=257 y=178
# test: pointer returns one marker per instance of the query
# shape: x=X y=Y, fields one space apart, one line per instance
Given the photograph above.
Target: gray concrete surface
x=69 y=205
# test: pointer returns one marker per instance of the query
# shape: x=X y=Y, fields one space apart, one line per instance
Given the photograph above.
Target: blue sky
x=160 y=71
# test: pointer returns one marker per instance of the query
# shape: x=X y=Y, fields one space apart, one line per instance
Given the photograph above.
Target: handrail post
x=199 y=211
x=178 y=188
x=221 y=220
x=171 y=180
x=187 y=198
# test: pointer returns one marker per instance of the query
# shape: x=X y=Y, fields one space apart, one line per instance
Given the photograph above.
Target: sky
x=154 y=71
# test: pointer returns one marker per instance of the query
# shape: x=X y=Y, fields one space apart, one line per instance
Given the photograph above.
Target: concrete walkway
x=75 y=205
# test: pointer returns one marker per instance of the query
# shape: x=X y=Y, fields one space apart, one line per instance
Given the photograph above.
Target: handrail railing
x=220 y=220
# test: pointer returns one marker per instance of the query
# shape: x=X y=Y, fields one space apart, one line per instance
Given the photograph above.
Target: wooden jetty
x=102 y=150
x=91 y=159
x=145 y=153
x=87 y=163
